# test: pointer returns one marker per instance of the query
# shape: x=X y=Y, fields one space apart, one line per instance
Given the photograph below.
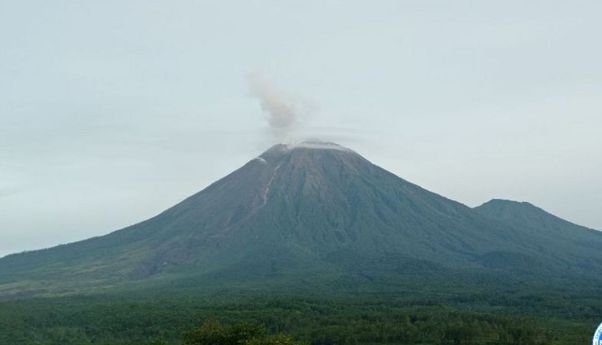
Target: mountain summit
x=318 y=214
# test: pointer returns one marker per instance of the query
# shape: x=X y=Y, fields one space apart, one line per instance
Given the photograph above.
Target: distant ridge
x=523 y=214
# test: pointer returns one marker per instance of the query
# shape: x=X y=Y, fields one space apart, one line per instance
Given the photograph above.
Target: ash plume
x=281 y=109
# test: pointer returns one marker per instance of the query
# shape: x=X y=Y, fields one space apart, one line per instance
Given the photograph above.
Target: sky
x=112 y=111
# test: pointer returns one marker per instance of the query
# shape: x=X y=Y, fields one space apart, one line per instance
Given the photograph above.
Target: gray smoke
x=281 y=110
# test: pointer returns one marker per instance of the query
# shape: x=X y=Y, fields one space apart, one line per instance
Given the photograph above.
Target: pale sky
x=112 y=111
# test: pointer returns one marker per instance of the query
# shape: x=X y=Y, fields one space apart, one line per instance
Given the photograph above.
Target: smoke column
x=282 y=111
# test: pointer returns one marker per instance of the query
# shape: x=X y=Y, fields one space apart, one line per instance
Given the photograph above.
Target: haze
x=112 y=111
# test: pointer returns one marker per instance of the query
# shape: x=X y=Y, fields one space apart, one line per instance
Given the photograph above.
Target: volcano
x=317 y=215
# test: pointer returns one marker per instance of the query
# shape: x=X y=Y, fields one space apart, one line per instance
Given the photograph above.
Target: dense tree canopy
x=293 y=321
x=212 y=332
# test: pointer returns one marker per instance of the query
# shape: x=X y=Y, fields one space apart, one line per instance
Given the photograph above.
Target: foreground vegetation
x=293 y=320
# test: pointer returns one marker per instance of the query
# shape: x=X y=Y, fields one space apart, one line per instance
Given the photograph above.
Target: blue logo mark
x=598 y=336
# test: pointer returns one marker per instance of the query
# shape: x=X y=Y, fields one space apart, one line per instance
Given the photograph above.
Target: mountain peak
x=307 y=144
x=507 y=203
x=318 y=145
x=523 y=214
x=304 y=148
x=510 y=209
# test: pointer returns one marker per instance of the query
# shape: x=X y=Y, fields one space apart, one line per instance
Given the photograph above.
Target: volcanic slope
x=316 y=214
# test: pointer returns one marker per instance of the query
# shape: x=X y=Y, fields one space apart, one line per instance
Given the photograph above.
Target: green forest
x=264 y=319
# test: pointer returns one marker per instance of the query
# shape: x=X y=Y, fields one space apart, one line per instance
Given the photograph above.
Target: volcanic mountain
x=317 y=215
